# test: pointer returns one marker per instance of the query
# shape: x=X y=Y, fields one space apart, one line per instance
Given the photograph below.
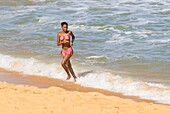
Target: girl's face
x=64 y=28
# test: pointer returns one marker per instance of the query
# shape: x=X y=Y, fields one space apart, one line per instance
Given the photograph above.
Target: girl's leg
x=71 y=69
x=63 y=64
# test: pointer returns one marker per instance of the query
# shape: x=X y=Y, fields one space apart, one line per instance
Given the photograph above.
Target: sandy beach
x=30 y=94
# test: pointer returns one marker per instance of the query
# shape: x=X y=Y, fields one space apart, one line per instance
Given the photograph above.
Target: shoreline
x=37 y=94
x=18 y=78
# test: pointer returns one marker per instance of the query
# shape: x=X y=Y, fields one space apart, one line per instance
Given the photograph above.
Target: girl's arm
x=73 y=38
x=58 y=40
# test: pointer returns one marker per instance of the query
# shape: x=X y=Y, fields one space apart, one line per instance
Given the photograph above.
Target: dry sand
x=45 y=95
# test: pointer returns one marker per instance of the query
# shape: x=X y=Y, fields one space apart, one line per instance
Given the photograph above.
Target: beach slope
x=20 y=98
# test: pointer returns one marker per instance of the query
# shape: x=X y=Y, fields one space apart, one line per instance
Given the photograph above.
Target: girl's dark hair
x=62 y=23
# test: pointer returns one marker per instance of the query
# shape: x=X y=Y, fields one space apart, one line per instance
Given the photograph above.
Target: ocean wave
x=37 y=0
x=157 y=41
x=92 y=60
x=116 y=83
x=118 y=39
x=89 y=77
x=134 y=1
x=29 y=66
x=97 y=57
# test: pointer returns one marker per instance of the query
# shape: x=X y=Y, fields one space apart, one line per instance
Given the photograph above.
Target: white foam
x=43 y=19
x=30 y=66
x=157 y=85
x=159 y=41
x=143 y=21
x=117 y=39
x=96 y=57
x=93 y=78
x=37 y=0
x=144 y=1
x=126 y=86
x=143 y=33
x=154 y=0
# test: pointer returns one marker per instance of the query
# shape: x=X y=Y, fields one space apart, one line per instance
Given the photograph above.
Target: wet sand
x=34 y=94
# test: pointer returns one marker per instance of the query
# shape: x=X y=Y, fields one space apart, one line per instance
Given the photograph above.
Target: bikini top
x=67 y=38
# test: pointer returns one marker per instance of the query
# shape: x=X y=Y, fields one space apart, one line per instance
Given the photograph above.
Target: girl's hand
x=61 y=42
x=71 y=44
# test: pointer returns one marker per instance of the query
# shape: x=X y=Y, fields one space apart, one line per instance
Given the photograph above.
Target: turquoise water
x=124 y=44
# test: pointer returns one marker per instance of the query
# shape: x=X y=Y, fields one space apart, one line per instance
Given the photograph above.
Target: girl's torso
x=65 y=38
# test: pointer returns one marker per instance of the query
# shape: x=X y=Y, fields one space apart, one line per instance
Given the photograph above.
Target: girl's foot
x=68 y=77
x=75 y=78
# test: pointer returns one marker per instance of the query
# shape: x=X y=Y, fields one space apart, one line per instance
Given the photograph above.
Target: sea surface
x=121 y=45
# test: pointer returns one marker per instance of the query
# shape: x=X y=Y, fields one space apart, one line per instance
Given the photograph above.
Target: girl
x=63 y=38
